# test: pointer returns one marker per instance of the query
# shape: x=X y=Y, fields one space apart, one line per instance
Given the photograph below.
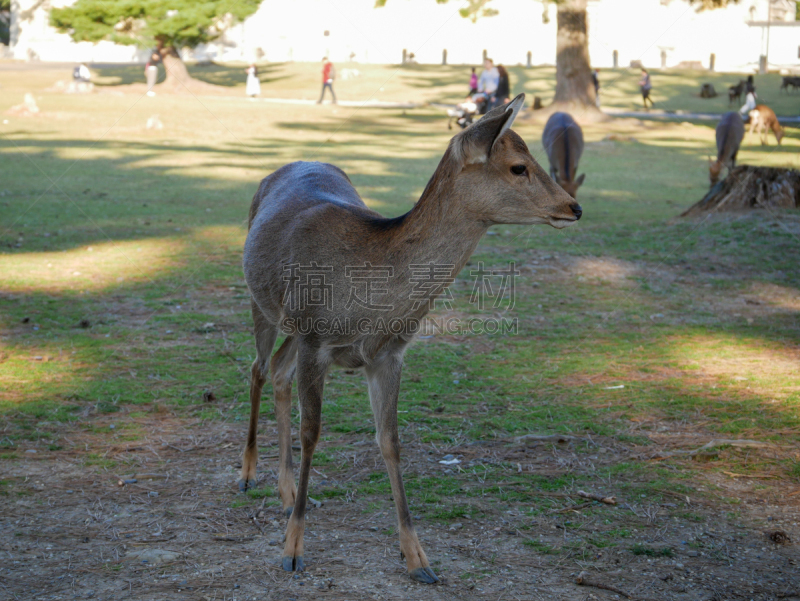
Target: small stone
x=152 y=493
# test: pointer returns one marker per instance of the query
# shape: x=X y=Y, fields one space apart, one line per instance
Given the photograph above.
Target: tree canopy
x=176 y=23
x=481 y=8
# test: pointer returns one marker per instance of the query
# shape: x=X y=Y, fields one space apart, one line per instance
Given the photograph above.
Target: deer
x=562 y=139
x=310 y=214
x=763 y=118
x=730 y=132
x=735 y=92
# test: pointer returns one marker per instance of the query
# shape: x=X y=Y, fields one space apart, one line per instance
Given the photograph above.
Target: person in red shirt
x=328 y=75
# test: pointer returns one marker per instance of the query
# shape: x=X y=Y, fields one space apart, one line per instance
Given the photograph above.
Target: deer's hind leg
x=265 y=334
x=283 y=367
x=311 y=370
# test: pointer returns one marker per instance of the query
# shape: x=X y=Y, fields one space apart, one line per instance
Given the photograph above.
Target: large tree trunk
x=573 y=72
x=177 y=74
x=574 y=86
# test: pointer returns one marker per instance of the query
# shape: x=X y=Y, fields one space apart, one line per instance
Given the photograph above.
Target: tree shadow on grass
x=128 y=197
x=229 y=76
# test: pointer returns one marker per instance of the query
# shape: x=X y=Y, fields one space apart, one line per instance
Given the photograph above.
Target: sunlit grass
x=101 y=266
x=631 y=296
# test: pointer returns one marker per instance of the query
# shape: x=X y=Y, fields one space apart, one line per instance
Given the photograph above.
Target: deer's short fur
x=562 y=139
x=310 y=214
x=730 y=131
x=762 y=118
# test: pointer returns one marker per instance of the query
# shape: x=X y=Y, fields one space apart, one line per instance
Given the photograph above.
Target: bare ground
x=71 y=531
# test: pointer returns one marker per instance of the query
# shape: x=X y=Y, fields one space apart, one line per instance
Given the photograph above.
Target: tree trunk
x=573 y=73
x=177 y=74
x=574 y=87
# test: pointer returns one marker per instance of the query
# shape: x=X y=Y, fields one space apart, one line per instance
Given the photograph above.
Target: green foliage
x=148 y=22
x=712 y=4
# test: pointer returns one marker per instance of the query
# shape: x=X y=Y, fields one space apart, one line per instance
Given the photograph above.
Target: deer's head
x=779 y=133
x=497 y=180
x=570 y=187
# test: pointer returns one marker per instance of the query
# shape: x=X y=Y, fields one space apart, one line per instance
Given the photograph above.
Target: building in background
x=658 y=33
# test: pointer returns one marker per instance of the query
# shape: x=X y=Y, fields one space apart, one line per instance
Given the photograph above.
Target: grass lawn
x=642 y=334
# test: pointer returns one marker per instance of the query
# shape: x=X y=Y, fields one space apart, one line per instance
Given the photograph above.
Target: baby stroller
x=465 y=112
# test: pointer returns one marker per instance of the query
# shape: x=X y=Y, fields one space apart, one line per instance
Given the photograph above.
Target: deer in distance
x=730 y=132
x=309 y=214
x=762 y=118
x=562 y=139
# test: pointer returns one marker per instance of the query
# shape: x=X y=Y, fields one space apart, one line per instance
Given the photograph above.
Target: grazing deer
x=789 y=82
x=562 y=139
x=762 y=118
x=730 y=131
x=309 y=214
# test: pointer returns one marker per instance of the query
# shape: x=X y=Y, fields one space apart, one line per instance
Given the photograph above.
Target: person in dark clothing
x=503 y=91
x=596 y=82
x=645 y=85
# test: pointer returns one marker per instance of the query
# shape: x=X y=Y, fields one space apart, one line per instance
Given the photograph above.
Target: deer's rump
x=729 y=133
x=563 y=142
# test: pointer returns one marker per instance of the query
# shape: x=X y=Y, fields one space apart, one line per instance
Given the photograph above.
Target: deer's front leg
x=383 y=379
x=310 y=380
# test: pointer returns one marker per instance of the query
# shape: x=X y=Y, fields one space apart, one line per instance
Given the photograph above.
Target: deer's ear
x=580 y=179
x=478 y=140
x=513 y=107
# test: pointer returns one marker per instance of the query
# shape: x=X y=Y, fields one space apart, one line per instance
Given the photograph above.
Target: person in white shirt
x=489 y=79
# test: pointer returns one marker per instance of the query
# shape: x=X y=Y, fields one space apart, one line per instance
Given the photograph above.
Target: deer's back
x=767 y=115
x=562 y=139
x=304 y=214
x=730 y=131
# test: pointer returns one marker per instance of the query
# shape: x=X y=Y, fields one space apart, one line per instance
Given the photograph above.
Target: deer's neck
x=436 y=230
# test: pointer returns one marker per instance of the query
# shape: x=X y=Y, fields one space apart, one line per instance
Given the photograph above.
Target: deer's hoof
x=423 y=575
x=293 y=564
x=245 y=485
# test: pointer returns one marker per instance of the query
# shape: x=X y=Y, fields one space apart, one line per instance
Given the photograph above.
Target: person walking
x=488 y=82
x=253 y=88
x=645 y=85
x=596 y=82
x=328 y=75
x=151 y=73
x=473 y=83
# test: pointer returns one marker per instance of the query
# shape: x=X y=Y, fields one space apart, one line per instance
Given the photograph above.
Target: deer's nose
x=576 y=208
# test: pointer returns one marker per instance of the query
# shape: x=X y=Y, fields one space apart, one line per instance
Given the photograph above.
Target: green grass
x=140 y=232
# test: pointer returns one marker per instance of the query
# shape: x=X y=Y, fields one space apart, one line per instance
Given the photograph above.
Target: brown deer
x=310 y=215
x=762 y=118
x=730 y=131
x=562 y=139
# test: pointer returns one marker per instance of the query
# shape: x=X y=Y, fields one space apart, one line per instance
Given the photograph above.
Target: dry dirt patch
x=182 y=531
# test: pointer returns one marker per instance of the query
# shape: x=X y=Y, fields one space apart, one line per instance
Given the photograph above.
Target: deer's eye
x=519 y=169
